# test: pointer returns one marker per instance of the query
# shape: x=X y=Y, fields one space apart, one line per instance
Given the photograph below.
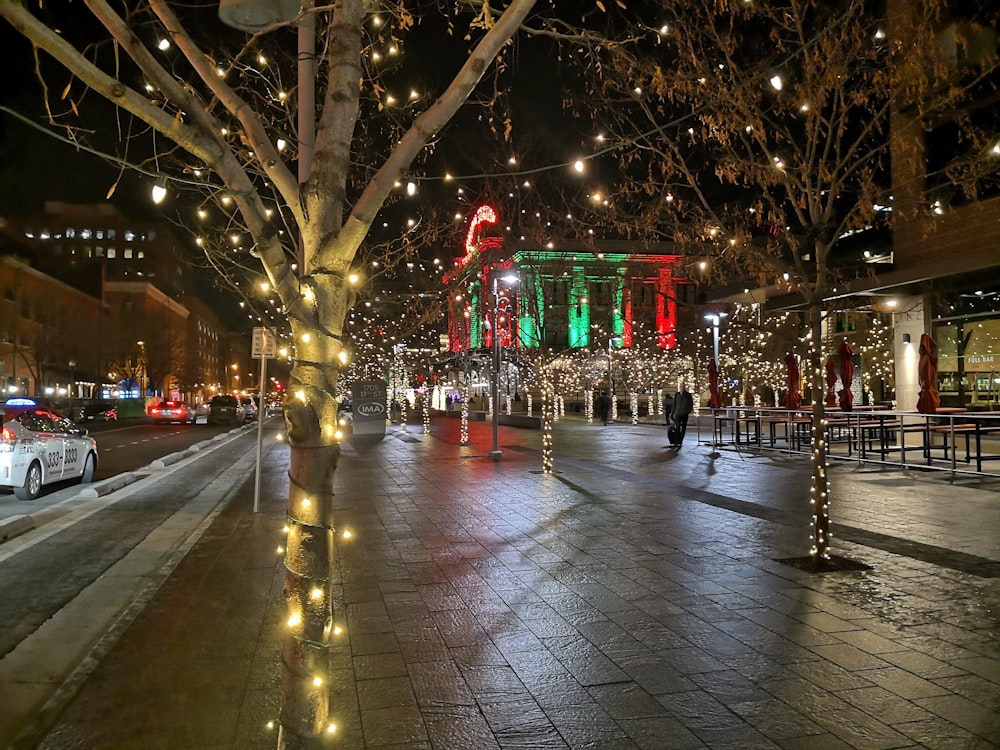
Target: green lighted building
x=567 y=295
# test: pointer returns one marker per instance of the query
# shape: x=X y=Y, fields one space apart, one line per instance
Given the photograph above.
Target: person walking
x=683 y=406
x=604 y=407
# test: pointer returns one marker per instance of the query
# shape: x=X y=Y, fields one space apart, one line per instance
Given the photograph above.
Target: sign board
x=368 y=404
x=264 y=343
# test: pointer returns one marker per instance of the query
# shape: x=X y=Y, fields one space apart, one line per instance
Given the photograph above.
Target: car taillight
x=8 y=436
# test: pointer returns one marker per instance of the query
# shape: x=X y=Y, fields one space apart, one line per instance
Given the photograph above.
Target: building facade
x=87 y=285
x=567 y=295
x=82 y=244
x=50 y=334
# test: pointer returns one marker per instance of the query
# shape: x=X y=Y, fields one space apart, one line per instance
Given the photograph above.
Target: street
x=83 y=538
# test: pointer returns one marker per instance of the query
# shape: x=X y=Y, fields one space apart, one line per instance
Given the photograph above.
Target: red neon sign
x=484 y=215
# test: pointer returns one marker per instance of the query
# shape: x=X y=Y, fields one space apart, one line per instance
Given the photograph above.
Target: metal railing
x=953 y=440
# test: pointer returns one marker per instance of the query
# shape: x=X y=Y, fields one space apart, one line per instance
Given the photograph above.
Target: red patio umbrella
x=927 y=366
x=714 y=401
x=831 y=382
x=846 y=376
x=793 y=396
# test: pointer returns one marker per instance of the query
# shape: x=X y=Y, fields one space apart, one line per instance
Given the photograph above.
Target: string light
x=159 y=191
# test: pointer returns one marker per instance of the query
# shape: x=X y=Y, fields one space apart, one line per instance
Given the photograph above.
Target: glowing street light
x=715 y=318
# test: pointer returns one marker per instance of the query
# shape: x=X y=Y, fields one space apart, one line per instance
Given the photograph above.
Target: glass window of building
x=112 y=252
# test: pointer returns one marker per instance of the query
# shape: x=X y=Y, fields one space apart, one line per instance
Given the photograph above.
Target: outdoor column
x=912 y=318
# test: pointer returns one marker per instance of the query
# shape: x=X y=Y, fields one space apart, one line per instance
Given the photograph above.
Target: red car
x=172 y=411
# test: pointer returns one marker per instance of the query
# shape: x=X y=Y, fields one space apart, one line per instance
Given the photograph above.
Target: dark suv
x=226 y=409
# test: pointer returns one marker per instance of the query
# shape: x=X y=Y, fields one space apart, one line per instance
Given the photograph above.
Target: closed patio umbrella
x=793 y=396
x=927 y=366
x=831 y=382
x=714 y=400
x=846 y=376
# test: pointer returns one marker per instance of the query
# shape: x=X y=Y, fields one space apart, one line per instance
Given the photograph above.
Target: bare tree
x=760 y=134
x=221 y=113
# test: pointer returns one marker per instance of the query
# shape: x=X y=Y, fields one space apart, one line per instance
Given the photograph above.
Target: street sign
x=264 y=343
x=263 y=349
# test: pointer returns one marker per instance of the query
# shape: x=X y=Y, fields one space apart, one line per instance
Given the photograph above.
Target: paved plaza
x=639 y=597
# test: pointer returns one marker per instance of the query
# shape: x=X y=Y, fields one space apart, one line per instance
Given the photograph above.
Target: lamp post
x=714 y=318
x=253 y=16
x=509 y=279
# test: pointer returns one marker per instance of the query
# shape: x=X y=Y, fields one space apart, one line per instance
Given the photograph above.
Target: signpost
x=263 y=348
x=368 y=405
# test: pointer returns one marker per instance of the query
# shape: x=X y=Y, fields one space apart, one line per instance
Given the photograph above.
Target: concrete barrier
x=15 y=525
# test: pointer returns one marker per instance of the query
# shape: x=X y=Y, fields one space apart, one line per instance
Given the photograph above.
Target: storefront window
x=969 y=363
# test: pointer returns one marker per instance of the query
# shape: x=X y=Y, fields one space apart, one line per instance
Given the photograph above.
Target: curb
x=14 y=526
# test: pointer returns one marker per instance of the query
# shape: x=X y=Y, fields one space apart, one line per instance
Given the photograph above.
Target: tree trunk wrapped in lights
x=549 y=410
x=820 y=549
x=464 y=432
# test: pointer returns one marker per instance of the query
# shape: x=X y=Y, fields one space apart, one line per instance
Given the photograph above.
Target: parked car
x=172 y=411
x=226 y=409
x=250 y=407
x=38 y=446
x=100 y=413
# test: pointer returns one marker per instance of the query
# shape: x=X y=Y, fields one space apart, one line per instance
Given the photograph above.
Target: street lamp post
x=714 y=318
x=509 y=279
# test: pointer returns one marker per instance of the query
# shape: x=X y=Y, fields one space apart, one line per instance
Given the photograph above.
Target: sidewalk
x=634 y=599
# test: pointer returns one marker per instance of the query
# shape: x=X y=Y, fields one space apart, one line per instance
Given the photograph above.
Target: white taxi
x=39 y=446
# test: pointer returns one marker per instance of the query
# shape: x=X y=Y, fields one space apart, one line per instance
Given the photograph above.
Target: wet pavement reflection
x=635 y=599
